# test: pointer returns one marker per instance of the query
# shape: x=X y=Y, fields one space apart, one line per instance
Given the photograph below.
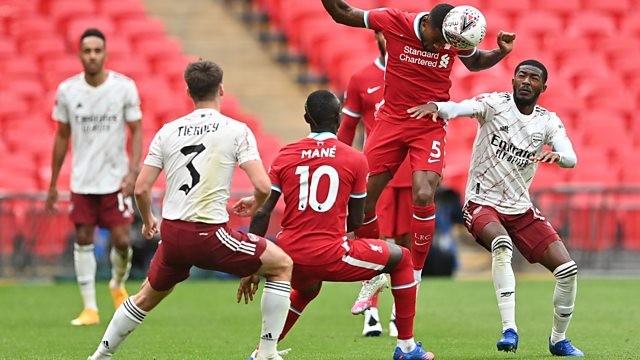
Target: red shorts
x=389 y=142
x=394 y=211
x=531 y=232
x=107 y=211
x=208 y=246
x=363 y=259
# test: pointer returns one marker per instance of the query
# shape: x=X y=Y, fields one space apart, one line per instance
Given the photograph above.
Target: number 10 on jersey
x=309 y=191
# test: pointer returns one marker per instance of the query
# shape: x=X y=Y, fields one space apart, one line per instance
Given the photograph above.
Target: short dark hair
x=93 y=32
x=323 y=107
x=203 y=79
x=437 y=15
x=534 y=63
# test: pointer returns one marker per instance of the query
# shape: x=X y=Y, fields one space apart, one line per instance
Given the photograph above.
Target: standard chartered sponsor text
x=420 y=57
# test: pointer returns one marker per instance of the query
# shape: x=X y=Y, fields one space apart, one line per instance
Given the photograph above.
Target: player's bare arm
x=145 y=181
x=135 y=127
x=343 y=13
x=262 y=187
x=445 y=110
x=260 y=220
x=60 y=146
x=562 y=154
x=356 y=213
x=484 y=59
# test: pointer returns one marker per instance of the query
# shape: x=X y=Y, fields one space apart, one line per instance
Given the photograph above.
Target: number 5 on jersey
x=309 y=191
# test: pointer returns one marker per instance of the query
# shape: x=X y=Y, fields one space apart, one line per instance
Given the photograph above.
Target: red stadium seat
x=137 y=28
x=564 y=6
x=11 y=106
x=121 y=9
x=496 y=21
x=22 y=67
x=63 y=11
x=512 y=7
x=29 y=89
x=67 y=64
x=611 y=6
x=43 y=47
x=31 y=26
x=154 y=48
x=630 y=221
x=407 y=5
x=591 y=24
x=549 y=177
x=7 y=49
x=133 y=67
x=630 y=26
x=9 y=229
x=539 y=24
x=591 y=227
x=564 y=47
x=118 y=47
x=48 y=233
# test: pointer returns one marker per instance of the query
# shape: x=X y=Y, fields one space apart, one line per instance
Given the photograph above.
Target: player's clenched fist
x=505 y=41
x=150 y=227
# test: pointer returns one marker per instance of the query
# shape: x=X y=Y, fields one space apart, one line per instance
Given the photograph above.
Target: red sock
x=374 y=300
x=423 y=224
x=369 y=228
x=403 y=288
x=299 y=301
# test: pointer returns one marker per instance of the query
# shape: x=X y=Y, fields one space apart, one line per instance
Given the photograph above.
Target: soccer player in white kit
x=198 y=154
x=507 y=150
x=94 y=109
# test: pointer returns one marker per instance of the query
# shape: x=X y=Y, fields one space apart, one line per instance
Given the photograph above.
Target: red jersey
x=317 y=176
x=362 y=99
x=414 y=75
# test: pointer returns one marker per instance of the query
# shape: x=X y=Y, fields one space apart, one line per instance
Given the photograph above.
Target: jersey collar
x=379 y=64
x=322 y=136
x=416 y=24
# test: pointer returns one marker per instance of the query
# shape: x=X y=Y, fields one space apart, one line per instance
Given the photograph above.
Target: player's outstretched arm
x=144 y=183
x=343 y=13
x=445 y=110
x=484 y=59
x=260 y=220
x=60 y=146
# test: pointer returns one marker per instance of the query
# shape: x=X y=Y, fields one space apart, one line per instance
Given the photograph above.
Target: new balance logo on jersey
x=504 y=128
x=444 y=61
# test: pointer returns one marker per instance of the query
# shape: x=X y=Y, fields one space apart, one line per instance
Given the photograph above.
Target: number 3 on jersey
x=309 y=191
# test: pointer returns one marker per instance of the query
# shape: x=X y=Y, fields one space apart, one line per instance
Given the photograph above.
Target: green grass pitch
x=200 y=320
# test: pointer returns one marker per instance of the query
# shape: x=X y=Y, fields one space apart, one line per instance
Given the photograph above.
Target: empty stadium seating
x=38 y=45
x=593 y=83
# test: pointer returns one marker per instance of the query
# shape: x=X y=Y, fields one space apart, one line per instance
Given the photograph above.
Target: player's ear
x=221 y=90
x=307 y=119
x=544 y=88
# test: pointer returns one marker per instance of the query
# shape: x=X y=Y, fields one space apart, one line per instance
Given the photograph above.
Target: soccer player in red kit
x=419 y=64
x=320 y=178
x=362 y=99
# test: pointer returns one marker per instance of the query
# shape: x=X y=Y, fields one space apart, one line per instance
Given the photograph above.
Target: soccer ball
x=464 y=27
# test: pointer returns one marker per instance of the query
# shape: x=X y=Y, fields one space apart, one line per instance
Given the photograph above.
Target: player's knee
x=502 y=249
x=84 y=238
x=279 y=267
x=566 y=273
x=424 y=195
x=405 y=258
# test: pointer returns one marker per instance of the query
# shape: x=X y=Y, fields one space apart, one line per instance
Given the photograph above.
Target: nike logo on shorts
x=371 y=90
x=431 y=161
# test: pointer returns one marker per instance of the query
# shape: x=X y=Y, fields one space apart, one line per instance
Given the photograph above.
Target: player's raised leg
x=127 y=318
x=84 y=261
x=120 y=256
x=423 y=222
x=556 y=258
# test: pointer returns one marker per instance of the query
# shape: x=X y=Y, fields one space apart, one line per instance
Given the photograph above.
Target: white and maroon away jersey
x=97 y=116
x=198 y=154
x=501 y=172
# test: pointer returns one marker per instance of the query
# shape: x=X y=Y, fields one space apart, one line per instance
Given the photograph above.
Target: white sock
x=120 y=266
x=85 y=264
x=126 y=319
x=407 y=345
x=504 y=282
x=417 y=275
x=393 y=311
x=564 y=298
x=275 y=307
